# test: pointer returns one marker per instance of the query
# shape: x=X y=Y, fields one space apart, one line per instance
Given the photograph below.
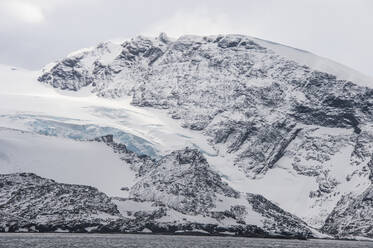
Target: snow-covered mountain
x=262 y=120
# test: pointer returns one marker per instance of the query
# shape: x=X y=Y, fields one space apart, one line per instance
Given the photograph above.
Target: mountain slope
x=264 y=114
x=266 y=120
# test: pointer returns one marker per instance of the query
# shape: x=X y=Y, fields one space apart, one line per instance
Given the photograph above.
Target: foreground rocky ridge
x=31 y=203
x=207 y=206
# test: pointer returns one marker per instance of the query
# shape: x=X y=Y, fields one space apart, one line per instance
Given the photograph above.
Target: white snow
x=23 y=100
x=359 y=238
x=227 y=233
x=127 y=206
x=318 y=63
x=146 y=230
x=174 y=216
x=95 y=164
x=64 y=160
x=91 y=228
x=21 y=94
x=291 y=190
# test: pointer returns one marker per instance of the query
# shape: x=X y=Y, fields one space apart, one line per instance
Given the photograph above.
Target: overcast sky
x=36 y=32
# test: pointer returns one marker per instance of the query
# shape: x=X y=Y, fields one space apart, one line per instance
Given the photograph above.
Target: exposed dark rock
x=353 y=216
x=35 y=203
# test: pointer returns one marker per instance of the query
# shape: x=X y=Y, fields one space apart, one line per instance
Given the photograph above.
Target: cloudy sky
x=36 y=32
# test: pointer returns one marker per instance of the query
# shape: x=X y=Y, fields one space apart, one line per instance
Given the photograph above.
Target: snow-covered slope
x=27 y=105
x=64 y=160
x=273 y=120
x=318 y=63
x=269 y=119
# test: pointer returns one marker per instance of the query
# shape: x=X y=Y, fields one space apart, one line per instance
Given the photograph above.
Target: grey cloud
x=338 y=29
